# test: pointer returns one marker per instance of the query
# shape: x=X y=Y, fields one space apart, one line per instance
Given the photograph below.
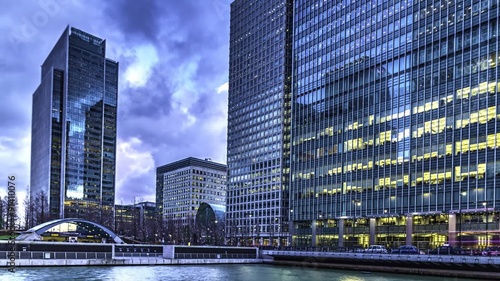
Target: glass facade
x=395 y=114
x=74 y=129
x=259 y=122
x=210 y=222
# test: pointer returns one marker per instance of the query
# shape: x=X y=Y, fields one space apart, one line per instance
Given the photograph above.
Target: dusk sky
x=172 y=99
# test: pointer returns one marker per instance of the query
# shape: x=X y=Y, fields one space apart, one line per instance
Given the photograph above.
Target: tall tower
x=73 y=147
x=395 y=123
x=259 y=122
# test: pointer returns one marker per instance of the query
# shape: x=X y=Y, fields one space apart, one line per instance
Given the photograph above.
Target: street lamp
x=356 y=204
x=216 y=232
x=486 y=211
x=274 y=234
x=386 y=228
x=462 y=193
x=320 y=232
x=238 y=231
x=250 y=229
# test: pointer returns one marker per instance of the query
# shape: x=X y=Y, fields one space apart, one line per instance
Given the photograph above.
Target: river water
x=235 y=272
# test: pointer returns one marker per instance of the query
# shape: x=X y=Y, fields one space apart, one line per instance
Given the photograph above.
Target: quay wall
x=44 y=254
x=39 y=253
x=478 y=267
x=473 y=274
x=123 y=262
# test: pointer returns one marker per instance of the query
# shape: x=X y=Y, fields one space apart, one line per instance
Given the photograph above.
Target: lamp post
x=356 y=204
x=238 y=238
x=288 y=238
x=250 y=229
x=462 y=193
x=320 y=217
x=486 y=212
x=277 y=231
x=216 y=233
x=386 y=228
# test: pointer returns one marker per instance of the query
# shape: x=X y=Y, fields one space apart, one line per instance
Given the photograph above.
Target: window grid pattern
x=73 y=159
x=394 y=109
x=258 y=121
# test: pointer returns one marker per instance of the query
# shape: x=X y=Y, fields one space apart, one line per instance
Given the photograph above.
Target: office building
x=392 y=137
x=181 y=187
x=138 y=222
x=259 y=122
x=395 y=115
x=73 y=147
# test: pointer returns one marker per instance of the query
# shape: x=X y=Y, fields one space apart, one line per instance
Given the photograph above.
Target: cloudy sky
x=173 y=59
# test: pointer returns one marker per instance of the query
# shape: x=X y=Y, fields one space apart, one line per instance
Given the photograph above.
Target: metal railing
x=214 y=256
x=57 y=255
x=137 y=255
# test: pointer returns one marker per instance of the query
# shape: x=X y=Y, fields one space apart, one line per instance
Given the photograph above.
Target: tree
x=3 y=212
x=160 y=228
x=40 y=209
x=9 y=217
x=172 y=236
x=28 y=210
x=105 y=216
x=220 y=233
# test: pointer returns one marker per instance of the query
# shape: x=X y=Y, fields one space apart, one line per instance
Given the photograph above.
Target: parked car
x=472 y=252
x=356 y=250
x=406 y=250
x=447 y=250
x=377 y=249
x=491 y=251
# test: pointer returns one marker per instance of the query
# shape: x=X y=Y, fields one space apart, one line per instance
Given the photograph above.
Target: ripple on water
x=235 y=272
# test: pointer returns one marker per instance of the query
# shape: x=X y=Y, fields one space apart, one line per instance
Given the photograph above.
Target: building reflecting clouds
x=393 y=132
x=73 y=149
x=394 y=123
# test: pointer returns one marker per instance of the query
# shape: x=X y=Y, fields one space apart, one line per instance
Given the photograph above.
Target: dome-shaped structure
x=210 y=220
x=210 y=213
x=70 y=229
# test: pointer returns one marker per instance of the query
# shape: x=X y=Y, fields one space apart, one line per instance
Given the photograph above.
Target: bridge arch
x=70 y=227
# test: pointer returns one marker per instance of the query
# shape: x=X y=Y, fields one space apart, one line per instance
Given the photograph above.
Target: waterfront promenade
x=457 y=261
x=46 y=254
x=125 y=262
x=465 y=266
x=41 y=254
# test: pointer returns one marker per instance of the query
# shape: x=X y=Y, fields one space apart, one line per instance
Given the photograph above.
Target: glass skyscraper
x=73 y=148
x=394 y=120
x=259 y=122
x=395 y=115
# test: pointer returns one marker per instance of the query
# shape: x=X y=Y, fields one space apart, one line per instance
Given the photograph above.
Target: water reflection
x=204 y=273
